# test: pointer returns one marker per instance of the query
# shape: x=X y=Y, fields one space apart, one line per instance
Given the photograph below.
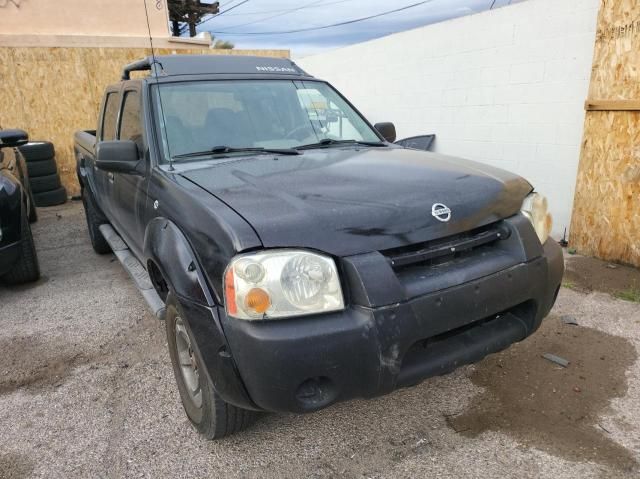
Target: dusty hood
x=346 y=201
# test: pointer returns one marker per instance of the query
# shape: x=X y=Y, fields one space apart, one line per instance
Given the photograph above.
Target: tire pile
x=43 y=173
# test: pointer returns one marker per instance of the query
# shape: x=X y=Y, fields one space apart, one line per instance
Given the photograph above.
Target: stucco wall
x=505 y=87
x=83 y=17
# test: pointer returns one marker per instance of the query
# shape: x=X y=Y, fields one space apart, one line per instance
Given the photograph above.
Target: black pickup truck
x=18 y=258
x=297 y=256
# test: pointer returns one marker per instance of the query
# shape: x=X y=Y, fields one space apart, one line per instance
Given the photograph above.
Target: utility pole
x=188 y=13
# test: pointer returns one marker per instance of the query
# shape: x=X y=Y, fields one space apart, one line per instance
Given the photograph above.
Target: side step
x=135 y=269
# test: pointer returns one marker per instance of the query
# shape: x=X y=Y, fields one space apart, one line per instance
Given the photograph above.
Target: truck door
x=129 y=191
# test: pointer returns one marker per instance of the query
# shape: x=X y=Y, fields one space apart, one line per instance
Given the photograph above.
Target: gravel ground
x=86 y=390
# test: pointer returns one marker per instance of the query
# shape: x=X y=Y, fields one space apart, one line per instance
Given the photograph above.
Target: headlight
x=281 y=283
x=536 y=209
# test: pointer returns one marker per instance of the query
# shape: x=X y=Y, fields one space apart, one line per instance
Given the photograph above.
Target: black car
x=18 y=259
x=297 y=256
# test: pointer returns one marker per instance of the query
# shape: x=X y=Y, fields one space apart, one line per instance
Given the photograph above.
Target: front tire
x=26 y=268
x=94 y=219
x=209 y=413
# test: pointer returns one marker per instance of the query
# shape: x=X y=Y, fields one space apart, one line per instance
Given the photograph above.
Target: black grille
x=445 y=249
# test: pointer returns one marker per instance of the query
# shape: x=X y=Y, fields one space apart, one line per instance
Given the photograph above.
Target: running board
x=135 y=269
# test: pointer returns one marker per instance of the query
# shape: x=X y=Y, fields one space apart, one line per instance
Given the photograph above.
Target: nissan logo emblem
x=441 y=212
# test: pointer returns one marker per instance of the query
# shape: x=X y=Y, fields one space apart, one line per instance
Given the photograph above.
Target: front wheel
x=209 y=413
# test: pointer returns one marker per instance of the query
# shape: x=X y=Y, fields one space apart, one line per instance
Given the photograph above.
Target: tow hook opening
x=316 y=393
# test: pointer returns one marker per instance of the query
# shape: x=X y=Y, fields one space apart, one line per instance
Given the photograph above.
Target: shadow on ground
x=552 y=408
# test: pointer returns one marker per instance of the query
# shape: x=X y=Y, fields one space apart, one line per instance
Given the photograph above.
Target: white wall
x=505 y=87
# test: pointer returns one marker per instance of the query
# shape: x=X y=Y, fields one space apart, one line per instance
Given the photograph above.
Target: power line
x=225 y=4
x=223 y=12
x=286 y=12
x=228 y=9
x=261 y=12
x=348 y=22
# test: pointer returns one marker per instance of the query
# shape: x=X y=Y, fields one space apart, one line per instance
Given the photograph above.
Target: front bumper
x=305 y=364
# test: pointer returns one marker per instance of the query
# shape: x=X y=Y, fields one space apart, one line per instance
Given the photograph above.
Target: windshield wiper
x=221 y=150
x=325 y=142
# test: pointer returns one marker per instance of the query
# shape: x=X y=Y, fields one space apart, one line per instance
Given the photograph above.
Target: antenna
x=154 y=69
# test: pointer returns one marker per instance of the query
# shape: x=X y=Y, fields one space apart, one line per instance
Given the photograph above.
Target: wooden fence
x=52 y=92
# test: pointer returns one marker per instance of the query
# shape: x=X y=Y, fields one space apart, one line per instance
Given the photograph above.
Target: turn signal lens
x=230 y=292
x=258 y=301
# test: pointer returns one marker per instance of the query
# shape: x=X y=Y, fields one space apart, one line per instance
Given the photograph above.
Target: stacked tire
x=43 y=173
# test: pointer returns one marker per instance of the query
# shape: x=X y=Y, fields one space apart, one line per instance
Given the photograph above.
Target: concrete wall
x=505 y=87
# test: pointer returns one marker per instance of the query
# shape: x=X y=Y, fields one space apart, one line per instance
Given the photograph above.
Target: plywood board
x=616 y=63
x=52 y=92
x=606 y=217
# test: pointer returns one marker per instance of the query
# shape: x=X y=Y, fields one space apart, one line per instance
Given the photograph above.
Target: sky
x=238 y=19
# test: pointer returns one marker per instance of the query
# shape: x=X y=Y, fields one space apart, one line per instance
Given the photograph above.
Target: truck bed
x=86 y=140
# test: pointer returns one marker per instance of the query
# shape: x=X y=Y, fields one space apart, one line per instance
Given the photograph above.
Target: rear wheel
x=209 y=413
x=95 y=218
x=26 y=268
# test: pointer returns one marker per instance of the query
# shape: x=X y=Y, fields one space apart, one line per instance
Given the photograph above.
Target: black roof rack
x=167 y=65
x=138 y=66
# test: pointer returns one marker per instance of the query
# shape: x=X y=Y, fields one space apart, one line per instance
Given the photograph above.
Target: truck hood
x=349 y=201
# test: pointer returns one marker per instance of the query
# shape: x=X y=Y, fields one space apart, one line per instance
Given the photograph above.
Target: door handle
x=110 y=176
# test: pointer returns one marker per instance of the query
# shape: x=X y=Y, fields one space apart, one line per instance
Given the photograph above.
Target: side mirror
x=119 y=156
x=13 y=138
x=387 y=130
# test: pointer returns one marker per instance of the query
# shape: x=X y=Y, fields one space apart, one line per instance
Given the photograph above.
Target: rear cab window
x=110 y=117
x=130 y=122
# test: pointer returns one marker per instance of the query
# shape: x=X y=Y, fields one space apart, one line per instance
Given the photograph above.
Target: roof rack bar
x=137 y=66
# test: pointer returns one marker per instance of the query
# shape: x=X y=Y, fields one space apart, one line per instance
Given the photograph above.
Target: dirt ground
x=86 y=390
x=587 y=274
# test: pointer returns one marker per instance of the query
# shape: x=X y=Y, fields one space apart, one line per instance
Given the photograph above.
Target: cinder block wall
x=505 y=87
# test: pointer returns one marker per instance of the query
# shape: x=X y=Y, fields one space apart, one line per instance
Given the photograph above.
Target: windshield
x=269 y=114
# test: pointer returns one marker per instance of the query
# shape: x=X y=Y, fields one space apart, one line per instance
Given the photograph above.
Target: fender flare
x=168 y=248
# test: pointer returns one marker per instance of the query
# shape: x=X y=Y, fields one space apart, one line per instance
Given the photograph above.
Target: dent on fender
x=167 y=247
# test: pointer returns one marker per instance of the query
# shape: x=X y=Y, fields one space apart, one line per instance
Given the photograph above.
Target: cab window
x=130 y=124
x=110 y=117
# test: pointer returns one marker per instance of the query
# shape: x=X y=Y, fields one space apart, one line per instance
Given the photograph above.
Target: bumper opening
x=443 y=353
x=315 y=393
